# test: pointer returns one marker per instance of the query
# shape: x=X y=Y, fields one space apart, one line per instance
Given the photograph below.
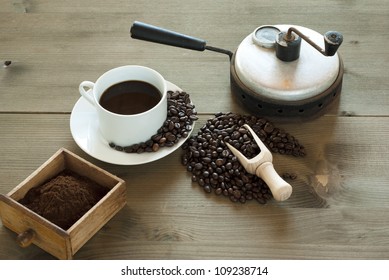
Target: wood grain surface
x=339 y=206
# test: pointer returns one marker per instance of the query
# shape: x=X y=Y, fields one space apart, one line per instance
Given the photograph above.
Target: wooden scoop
x=262 y=166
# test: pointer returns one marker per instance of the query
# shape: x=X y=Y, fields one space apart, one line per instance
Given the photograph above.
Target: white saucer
x=84 y=129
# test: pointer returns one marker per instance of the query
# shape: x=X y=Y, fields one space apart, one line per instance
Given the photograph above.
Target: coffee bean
x=207 y=160
x=173 y=111
x=207 y=189
x=171 y=125
x=155 y=147
x=219 y=171
x=193 y=118
x=220 y=161
x=237 y=194
x=170 y=137
x=118 y=148
x=198 y=166
x=268 y=127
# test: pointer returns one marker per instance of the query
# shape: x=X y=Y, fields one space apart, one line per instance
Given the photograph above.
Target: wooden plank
x=269 y=232
x=345 y=156
x=52 y=59
x=247 y=232
x=236 y=250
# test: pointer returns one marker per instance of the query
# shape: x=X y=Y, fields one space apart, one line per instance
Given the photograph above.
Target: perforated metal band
x=264 y=106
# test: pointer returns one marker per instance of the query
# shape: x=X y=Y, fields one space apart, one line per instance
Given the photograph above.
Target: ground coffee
x=217 y=170
x=65 y=198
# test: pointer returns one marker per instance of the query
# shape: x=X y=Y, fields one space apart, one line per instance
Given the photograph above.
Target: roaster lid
x=258 y=67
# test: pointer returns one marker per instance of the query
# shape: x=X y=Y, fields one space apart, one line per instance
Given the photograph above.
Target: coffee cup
x=130 y=102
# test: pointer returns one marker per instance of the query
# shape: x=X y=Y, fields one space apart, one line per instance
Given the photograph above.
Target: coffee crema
x=130 y=97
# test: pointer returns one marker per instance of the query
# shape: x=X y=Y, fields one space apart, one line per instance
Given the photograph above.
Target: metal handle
x=151 y=33
x=332 y=41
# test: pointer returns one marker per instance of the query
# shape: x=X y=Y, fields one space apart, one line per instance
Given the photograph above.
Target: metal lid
x=260 y=70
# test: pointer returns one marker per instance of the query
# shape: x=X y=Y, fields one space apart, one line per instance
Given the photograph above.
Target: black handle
x=332 y=41
x=151 y=33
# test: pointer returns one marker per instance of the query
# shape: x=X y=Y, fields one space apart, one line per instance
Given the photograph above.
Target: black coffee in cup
x=130 y=97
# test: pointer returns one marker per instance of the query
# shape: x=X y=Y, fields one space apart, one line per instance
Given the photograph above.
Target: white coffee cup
x=126 y=130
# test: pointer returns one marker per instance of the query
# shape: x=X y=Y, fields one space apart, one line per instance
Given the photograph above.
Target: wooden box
x=33 y=228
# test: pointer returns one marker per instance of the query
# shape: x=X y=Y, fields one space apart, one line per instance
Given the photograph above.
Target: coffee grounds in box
x=65 y=198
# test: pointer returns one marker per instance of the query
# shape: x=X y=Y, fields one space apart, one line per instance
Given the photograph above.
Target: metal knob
x=288 y=48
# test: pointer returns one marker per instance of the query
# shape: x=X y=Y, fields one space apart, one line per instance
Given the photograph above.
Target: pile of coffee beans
x=178 y=124
x=217 y=170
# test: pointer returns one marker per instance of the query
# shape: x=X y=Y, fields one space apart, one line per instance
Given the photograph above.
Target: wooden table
x=339 y=207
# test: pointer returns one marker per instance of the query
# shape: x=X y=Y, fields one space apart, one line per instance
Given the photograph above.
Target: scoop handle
x=280 y=189
x=151 y=33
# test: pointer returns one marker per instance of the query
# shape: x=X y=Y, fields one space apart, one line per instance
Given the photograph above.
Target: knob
x=332 y=41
